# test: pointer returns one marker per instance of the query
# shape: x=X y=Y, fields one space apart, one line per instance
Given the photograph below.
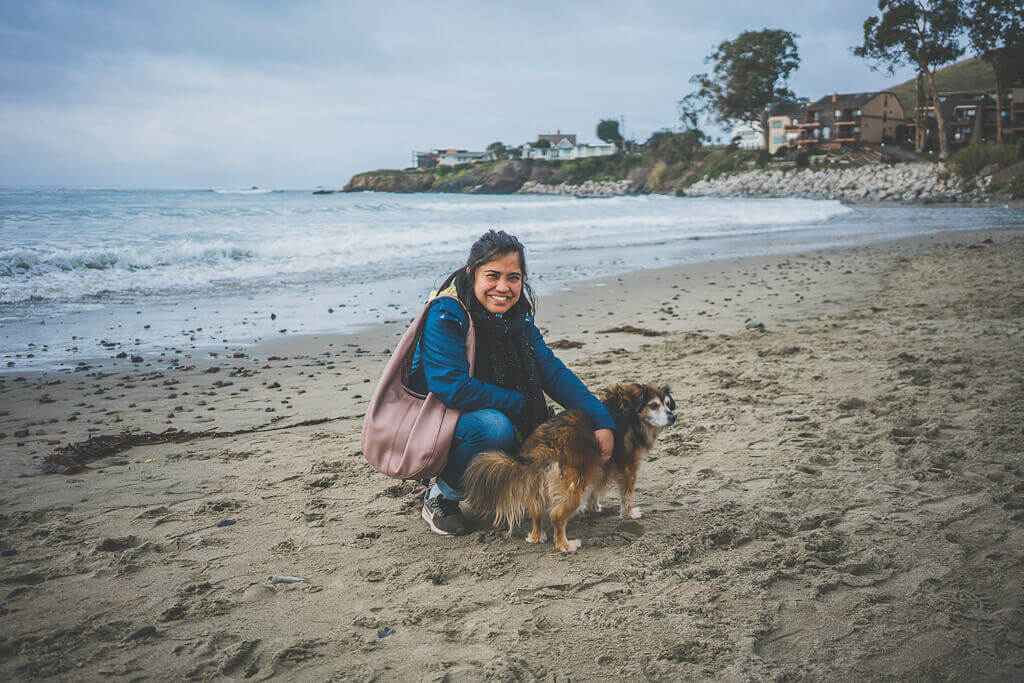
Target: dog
x=559 y=470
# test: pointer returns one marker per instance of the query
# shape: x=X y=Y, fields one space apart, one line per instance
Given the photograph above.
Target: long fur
x=498 y=484
x=561 y=466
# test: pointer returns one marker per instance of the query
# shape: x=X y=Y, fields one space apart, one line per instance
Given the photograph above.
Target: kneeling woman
x=504 y=399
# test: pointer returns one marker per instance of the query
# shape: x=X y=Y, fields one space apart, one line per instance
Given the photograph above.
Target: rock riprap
x=915 y=182
x=589 y=188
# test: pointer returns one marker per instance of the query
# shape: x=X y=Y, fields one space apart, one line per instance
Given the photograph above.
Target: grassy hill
x=967 y=74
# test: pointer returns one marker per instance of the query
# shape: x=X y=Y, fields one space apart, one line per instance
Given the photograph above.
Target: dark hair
x=491 y=245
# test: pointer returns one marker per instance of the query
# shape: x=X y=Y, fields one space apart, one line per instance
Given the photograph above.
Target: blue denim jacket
x=439 y=365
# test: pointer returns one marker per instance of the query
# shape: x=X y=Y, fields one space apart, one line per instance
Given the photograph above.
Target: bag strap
x=420 y=321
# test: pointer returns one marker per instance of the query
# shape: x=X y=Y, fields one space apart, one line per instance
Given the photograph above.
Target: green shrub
x=762 y=158
x=719 y=163
x=970 y=160
x=802 y=159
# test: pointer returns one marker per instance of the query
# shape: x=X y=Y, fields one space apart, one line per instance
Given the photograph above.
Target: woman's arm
x=561 y=384
x=446 y=368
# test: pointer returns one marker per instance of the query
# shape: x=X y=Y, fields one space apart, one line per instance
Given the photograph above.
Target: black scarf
x=505 y=358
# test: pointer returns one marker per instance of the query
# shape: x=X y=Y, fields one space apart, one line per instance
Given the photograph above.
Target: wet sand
x=842 y=496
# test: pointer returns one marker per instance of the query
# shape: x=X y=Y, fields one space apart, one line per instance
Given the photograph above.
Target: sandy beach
x=842 y=496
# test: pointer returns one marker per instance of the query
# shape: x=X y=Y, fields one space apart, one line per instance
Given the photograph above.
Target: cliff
x=501 y=177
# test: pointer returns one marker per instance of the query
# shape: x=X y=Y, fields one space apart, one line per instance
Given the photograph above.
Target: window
x=778 y=139
x=826 y=133
x=885 y=116
x=837 y=113
x=776 y=124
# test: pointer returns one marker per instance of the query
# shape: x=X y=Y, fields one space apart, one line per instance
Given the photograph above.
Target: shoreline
x=841 y=496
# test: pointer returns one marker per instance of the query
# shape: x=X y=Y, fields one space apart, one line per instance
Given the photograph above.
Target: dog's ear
x=646 y=393
x=669 y=401
x=617 y=398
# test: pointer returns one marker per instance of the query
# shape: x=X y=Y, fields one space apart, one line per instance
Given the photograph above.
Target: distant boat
x=324 y=191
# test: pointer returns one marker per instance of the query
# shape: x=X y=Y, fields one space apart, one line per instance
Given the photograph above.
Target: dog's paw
x=531 y=538
x=593 y=508
x=571 y=546
x=633 y=513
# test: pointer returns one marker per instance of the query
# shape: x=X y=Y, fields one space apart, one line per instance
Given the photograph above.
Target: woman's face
x=499 y=282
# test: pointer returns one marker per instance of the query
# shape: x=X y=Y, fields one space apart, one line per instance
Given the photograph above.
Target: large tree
x=749 y=73
x=921 y=33
x=608 y=130
x=995 y=29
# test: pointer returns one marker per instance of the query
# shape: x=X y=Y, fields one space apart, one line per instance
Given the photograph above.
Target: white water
x=152 y=269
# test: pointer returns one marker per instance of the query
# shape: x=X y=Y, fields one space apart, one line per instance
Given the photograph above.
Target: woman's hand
x=606 y=440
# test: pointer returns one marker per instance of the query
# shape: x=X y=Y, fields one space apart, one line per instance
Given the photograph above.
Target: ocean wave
x=26 y=262
x=147 y=248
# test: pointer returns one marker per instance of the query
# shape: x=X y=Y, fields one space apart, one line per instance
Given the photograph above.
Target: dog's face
x=657 y=406
x=650 y=404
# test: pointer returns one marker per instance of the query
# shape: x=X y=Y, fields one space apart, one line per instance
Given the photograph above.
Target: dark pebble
x=225 y=522
x=136 y=359
x=385 y=632
x=8 y=552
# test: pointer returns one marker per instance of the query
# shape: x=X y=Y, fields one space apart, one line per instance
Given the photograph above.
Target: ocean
x=92 y=273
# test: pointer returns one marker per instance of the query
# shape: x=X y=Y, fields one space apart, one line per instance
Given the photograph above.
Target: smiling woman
x=503 y=400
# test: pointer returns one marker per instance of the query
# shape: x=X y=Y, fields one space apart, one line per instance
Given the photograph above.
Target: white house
x=564 y=147
x=750 y=136
x=454 y=157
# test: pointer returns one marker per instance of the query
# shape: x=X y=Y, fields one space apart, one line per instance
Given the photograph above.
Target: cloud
x=299 y=94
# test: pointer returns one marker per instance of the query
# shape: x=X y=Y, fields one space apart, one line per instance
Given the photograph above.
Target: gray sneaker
x=444 y=517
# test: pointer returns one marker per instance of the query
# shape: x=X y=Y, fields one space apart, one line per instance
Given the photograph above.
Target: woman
x=504 y=399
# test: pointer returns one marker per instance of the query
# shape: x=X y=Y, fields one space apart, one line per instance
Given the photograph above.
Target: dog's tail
x=496 y=483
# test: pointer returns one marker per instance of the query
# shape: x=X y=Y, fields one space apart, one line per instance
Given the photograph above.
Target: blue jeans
x=475 y=432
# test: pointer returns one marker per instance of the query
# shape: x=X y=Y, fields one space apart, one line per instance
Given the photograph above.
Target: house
x=558 y=138
x=971 y=117
x=747 y=135
x=850 y=120
x=783 y=130
x=454 y=157
x=424 y=159
x=563 y=146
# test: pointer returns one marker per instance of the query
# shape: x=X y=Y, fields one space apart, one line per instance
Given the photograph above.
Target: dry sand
x=842 y=497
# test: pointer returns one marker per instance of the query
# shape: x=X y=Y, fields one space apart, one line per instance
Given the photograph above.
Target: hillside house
x=849 y=120
x=747 y=135
x=971 y=117
x=564 y=147
x=783 y=130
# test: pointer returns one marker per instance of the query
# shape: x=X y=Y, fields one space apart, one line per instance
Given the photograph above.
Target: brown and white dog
x=560 y=467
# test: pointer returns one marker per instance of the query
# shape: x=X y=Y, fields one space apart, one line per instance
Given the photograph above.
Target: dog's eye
x=653 y=405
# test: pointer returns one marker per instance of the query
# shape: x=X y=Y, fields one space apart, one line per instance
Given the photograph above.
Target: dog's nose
x=671 y=418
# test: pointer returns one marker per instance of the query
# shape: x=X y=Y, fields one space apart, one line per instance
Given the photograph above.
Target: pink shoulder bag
x=407 y=435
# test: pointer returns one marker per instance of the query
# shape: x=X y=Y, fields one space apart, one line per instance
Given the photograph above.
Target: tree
x=497 y=150
x=749 y=74
x=541 y=143
x=608 y=130
x=674 y=147
x=922 y=33
x=995 y=30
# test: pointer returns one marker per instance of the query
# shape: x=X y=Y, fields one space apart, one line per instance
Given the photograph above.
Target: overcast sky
x=300 y=94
